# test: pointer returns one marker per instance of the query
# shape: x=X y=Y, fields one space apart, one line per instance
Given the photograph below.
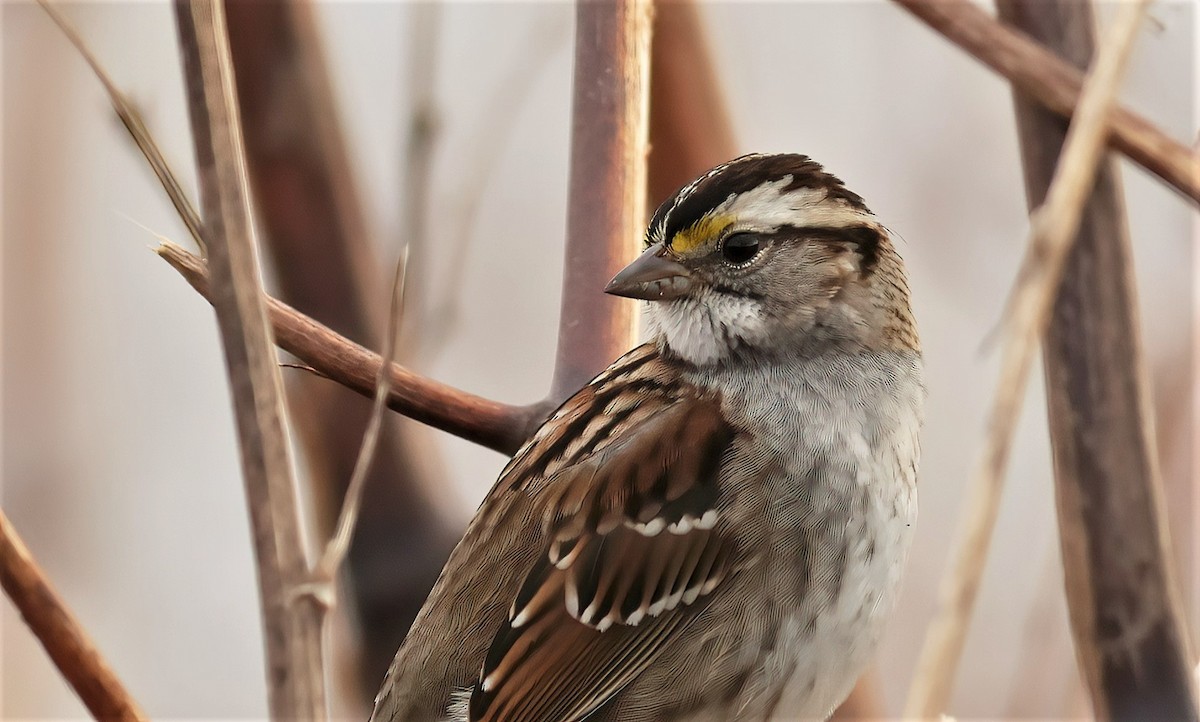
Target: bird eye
x=741 y=248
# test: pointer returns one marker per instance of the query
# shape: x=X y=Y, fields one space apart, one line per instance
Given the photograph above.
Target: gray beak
x=654 y=276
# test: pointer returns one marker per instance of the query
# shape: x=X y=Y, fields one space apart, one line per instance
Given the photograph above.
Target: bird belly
x=829 y=637
x=831 y=589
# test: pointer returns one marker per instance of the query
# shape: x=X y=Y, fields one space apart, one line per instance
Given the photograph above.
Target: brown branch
x=690 y=128
x=607 y=190
x=59 y=632
x=497 y=426
x=296 y=685
x=1124 y=606
x=1053 y=230
x=1040 y=73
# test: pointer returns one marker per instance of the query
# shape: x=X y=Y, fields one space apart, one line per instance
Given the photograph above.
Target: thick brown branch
x=497 y=426
x=690 y=129
x=60 y=634
x=606 y=210
x=295 y=680
x=1043 y=75
x=1129 y=637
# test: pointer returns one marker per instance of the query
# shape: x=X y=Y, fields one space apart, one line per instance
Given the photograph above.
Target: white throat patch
x=705 y=330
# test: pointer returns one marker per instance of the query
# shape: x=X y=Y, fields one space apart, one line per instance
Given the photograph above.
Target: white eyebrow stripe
x=804 y=206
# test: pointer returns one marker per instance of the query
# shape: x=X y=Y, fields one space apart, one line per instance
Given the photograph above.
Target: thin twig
x=309 y=210
x=1053 y=229
x=492 y=424
x=336 y=548
x=421 y=135
x=132 y=120
x=59 y=632
x=296 y=684
x=1040 y=73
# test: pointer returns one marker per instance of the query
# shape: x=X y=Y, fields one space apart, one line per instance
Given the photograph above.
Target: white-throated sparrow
x=713 y=528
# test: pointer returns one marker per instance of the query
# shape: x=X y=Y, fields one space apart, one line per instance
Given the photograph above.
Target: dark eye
x=741 y=248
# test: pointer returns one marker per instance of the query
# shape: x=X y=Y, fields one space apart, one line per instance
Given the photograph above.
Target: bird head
x=769 y=255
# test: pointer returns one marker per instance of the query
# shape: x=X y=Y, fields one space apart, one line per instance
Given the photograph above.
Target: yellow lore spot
x=704 y=231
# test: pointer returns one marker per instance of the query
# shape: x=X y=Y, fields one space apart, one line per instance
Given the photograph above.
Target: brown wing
x=633 y=545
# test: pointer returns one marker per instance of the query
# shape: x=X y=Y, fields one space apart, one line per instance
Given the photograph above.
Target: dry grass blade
x=59 y=632
x=1037 y=71
x=132 y=120
x=296 y=684
x=1053 y=228
x=491 y=424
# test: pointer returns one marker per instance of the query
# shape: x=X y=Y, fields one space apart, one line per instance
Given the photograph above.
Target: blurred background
x=119 y=458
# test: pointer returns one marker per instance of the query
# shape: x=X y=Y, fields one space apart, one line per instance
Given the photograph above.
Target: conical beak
x=654 y=276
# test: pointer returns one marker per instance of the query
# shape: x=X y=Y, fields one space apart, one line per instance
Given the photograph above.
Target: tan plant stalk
x=295 y=678
x=1053 y=229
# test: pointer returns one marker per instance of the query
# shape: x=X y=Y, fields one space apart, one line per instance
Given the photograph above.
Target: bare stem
x=607 y=190
x=1053 y=229
x=59 y=632
x=1121 y=589
x=296 y=685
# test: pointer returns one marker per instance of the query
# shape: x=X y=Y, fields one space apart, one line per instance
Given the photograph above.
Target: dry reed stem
x=1040 y=73
x=497 y=426
x=1117 y=572
x=68 y=645
x=295 y=678
x=316 y=237
x=1053 y=229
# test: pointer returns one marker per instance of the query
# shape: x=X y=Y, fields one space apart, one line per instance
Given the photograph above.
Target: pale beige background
x=119 y=463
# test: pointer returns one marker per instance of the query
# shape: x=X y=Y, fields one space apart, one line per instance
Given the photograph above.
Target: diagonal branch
x=1044 y=76
x=292 y=631
x=492 y=424
x=1054 y=226
x=60 y=634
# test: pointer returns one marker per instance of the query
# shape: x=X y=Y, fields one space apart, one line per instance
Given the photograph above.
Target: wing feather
x=634 y=543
